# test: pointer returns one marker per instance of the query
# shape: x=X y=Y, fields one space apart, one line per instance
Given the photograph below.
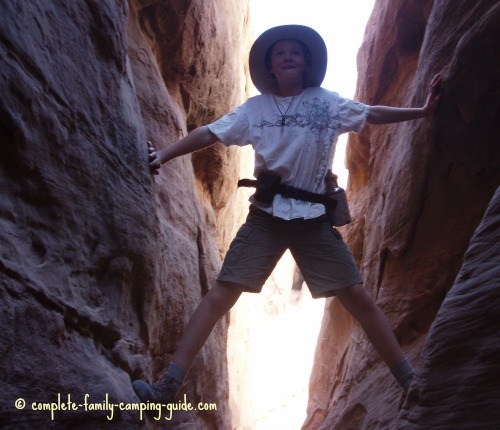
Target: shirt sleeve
x=232 y=129
x=353 y=115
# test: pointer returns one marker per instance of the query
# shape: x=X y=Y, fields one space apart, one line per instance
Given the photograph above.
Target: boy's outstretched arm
x=387 y=114
x=197 y=139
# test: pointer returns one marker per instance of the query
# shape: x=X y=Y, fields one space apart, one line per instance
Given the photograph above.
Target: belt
x=291 y=192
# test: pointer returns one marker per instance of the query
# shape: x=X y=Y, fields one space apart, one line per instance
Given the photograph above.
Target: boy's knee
x=356 y=299
x=224 y=294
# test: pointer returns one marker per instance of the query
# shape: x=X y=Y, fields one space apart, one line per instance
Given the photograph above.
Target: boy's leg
x=251 y=258
x=216 y=303
x=361 y=306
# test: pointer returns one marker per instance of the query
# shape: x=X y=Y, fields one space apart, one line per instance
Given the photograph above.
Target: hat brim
x=259 y=72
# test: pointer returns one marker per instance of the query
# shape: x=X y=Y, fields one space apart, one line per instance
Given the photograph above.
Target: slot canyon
x=102 y=263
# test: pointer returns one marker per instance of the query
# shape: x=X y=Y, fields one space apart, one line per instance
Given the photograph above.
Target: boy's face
x=288 y=63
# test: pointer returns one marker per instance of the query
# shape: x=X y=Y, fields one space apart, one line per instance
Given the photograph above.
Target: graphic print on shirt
x=313 y=114
x=321 y=123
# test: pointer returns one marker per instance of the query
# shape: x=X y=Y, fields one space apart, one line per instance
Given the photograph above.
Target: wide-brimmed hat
x=259 y=71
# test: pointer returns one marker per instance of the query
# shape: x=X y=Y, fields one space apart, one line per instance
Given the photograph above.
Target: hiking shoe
x=162 y=392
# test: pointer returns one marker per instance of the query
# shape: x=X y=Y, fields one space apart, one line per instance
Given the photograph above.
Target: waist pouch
x=267 y=186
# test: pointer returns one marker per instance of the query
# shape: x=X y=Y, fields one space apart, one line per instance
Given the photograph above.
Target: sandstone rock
x=101 y=265
x=457 y=382
x=418 y=191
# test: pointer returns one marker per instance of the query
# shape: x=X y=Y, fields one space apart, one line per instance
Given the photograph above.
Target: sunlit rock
x=417 y=191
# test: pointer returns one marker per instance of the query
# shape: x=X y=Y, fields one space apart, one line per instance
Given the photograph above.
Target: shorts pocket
x=239 y=242
x=244 y=232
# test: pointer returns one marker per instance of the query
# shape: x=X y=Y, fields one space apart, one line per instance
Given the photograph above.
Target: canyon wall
x=418 y=191
x=102 y=263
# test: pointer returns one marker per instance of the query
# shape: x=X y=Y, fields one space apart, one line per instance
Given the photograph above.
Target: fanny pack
x=335 y=200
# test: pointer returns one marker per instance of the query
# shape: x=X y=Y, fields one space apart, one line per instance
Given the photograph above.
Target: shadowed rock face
x=101 y=264
x=418 y=191
x=457 y=383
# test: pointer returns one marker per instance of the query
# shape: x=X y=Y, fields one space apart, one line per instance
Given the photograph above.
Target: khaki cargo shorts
x=318 y=249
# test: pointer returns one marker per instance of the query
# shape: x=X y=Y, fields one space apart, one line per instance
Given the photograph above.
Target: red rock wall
x=418 y=191
x=101 y=264
x=457 y=383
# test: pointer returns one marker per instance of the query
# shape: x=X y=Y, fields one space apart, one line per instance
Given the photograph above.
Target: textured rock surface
x=418 y=191
x=462 y=370
x=101 y=265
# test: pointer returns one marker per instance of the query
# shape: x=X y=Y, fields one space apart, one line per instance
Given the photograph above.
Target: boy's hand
x=433 y=96
x=154 y=159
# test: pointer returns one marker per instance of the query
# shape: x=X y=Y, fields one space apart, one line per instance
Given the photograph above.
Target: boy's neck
x=284 y=91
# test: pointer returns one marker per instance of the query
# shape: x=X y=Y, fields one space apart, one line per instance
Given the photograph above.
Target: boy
x=293 y=126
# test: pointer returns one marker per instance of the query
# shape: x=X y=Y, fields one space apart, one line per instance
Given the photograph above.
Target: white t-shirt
x=300 y=151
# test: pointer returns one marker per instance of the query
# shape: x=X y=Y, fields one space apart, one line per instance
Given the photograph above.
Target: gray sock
x=176 y=372
x=403 y=372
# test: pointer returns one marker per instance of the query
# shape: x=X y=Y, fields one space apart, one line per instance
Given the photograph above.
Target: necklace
x=283 y=115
